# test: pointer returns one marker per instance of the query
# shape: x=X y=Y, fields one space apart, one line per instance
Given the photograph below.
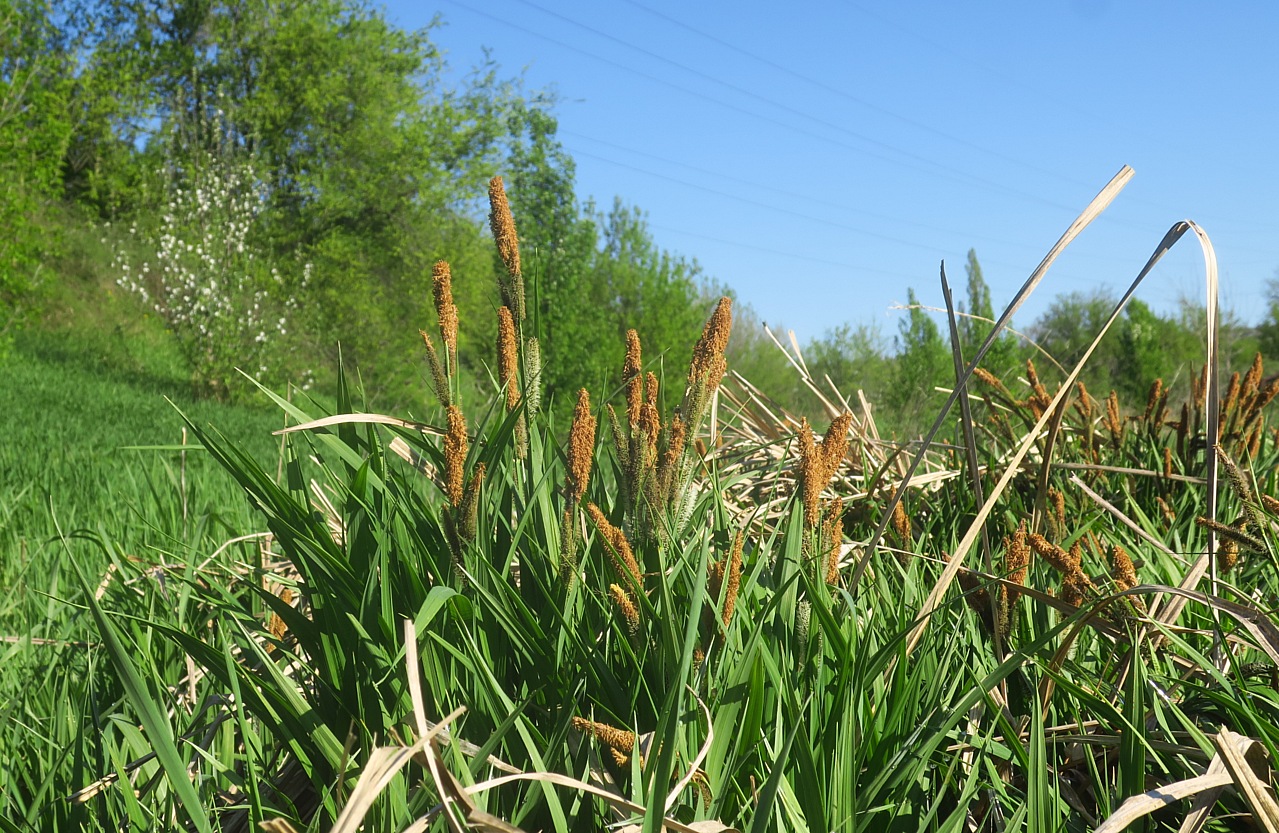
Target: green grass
x=200 y=682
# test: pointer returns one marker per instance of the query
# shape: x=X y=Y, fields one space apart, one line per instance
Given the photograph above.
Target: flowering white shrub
x=224 y=302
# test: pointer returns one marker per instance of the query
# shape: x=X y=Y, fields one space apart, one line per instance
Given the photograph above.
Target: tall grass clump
x=713 y=617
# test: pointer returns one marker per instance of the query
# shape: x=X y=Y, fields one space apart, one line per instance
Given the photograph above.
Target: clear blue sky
x=822 y=158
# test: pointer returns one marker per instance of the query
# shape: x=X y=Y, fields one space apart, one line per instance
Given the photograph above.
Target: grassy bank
x=692 y=611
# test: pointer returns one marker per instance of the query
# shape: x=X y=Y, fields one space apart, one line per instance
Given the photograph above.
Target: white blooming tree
x=226 y=304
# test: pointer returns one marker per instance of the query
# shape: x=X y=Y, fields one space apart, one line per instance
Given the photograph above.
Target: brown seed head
x=632 y=377
x=507 y=358
x=614 y=738
x=1267 y=394
x=1232 y=394
x=1238 y=483
x=581 y=447
x=1113 y=422
x=445 y=309
x=1167 y=463
x=1017 y=560
x=901 y=525
x=456 y=446
x=833 y=532
x=989 y=378
x=439 y=377
x=1121 y=569
x=1060 y=560
x=709 y=364
x=1152 y=399
x=1228 y=555
x=733 y=577
x=1058 y=501
x=1085 y=401
x=503 y=225
x=619 y=549
x=1074 y=588
x=626 y=607
x=835 y=444
x=1271 y=504
x=1166 y=510
x=1253 y=378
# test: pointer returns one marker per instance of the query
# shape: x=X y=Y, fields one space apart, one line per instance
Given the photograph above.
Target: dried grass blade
x=1094 y=209
x=701 y=754
x=961 y=550
x=381 y=767
x=1198 y=815
x=346 y=419
x=1148 y=802
x=1233 y=747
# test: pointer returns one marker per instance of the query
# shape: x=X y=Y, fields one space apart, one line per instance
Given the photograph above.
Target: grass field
x=690 y=612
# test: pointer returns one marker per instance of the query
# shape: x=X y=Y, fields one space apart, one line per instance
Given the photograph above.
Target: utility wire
x=847 y=96
x=791 y=110
x=944 y=171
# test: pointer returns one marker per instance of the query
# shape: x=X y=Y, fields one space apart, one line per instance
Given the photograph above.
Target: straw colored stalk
x=445 y=310
x=456 y=446
x=508 y=247
x=507 y=358
x=619 y=549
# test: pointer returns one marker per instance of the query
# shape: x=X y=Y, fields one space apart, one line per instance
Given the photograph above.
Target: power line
x=813 y=200
x=844 y=94
x=941 y=170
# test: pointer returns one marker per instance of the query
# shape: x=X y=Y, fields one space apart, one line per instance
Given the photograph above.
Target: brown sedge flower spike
x=619 y=549
x=456 y=446
x=507 y=358
x=445 y=309
x=581 y=448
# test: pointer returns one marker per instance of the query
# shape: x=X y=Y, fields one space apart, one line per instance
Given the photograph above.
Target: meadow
x=688 y=609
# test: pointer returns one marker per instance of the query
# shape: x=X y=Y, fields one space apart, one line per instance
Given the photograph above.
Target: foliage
x=1003 y=355
x=675 y=623
x=34 y=129
x=923 y=361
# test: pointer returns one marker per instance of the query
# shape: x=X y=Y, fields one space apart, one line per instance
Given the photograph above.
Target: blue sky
x=823 y=159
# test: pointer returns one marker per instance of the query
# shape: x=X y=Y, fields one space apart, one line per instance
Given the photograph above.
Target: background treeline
x=251 y=185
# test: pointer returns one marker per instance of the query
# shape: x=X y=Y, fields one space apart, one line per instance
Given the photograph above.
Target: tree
x=923 y=362
x=34 y=128
x=1268 y=330
x=1003 y=357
